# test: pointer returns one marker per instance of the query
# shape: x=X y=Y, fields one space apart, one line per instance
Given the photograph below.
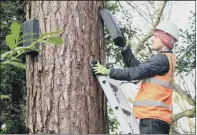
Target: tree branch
x=186 y=88
x=189 y=113
x=184 y=94
x=140 y=45
x=173 y=128
x=160 y=14
x=127 y=18
x=138 y=12
x=123 y=10
x=149 y=13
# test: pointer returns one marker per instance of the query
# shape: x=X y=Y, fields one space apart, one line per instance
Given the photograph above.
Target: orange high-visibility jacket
x=154 y=99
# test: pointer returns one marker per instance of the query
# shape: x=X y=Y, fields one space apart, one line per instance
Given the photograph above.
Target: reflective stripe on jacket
x=154 y=99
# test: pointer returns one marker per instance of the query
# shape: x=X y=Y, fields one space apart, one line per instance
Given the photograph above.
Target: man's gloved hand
x=120 y=41
x=100 y=69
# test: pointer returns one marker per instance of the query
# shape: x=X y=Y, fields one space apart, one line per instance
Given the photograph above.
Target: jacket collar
x=165 y=51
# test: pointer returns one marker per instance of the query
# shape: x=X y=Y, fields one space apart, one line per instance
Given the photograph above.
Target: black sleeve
x=129 y=58
x=157 y=65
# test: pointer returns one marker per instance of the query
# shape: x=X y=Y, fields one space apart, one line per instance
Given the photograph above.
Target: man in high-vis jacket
x=153 y=103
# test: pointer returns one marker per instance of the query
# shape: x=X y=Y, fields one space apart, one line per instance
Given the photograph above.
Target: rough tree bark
x=62 y=94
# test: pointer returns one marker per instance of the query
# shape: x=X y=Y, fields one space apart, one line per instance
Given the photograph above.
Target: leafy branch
x=189 y=113
x=184 y=94
x=14 y=39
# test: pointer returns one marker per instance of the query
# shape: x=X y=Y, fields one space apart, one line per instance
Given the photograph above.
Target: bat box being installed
x=112 y=26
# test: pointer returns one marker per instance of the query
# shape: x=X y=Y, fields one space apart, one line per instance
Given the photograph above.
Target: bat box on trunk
x=30 y=27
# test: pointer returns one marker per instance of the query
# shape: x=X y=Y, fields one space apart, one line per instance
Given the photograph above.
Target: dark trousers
x=154 y=126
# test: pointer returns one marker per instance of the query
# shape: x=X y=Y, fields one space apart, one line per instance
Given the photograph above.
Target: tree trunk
x=62 y=95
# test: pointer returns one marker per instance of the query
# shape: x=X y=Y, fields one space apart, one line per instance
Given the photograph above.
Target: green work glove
x=100 y=69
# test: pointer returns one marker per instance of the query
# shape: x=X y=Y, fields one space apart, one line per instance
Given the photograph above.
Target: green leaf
x=50 y=33
x=3 y=55
x=4 y=97
x=15 y=30
x=15 y=59
x=54 y=40
x=28 y=34
x=31 y=40
x=17 y=64
x=22 y=49
x=10 y=40
x=3 y=66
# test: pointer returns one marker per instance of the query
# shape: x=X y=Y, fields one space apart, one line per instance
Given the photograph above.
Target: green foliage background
x=12 y=79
